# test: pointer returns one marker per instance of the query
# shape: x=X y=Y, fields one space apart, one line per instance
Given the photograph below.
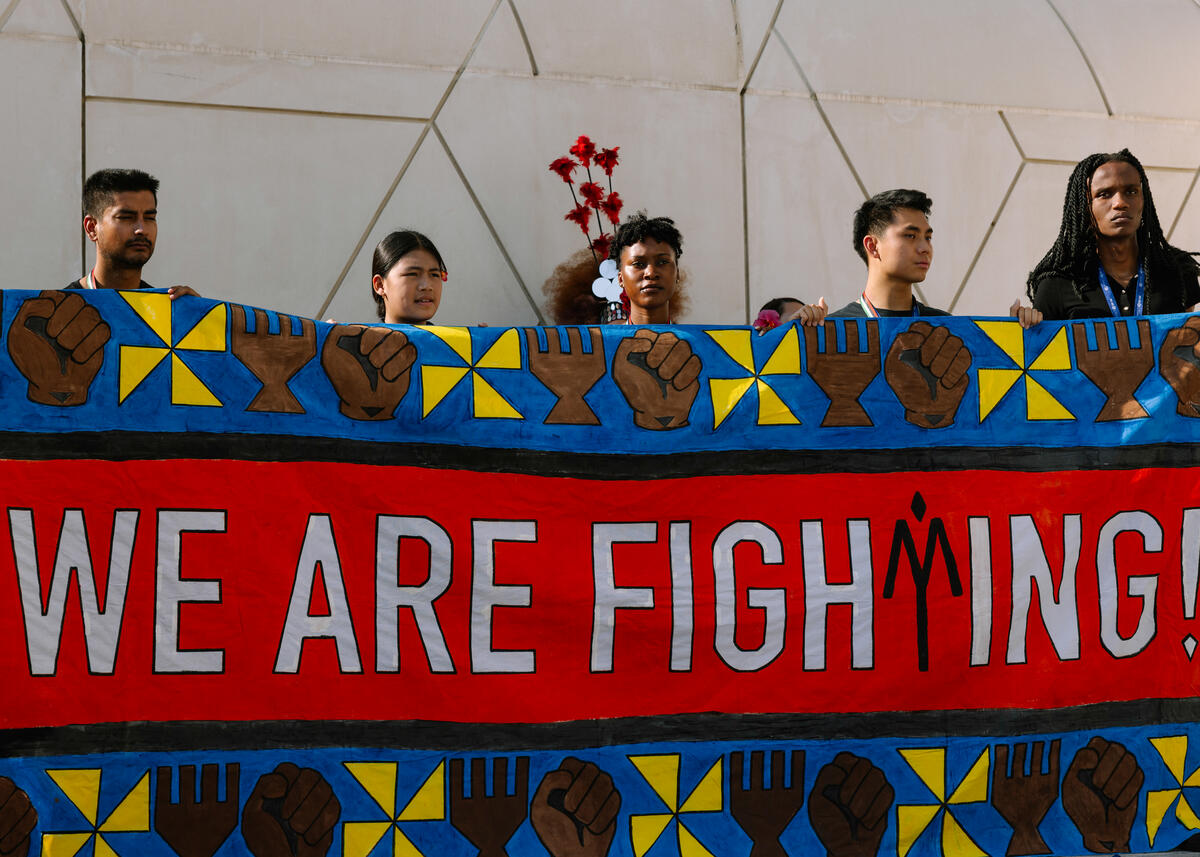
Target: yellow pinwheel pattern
x=1173 y=752
x=662 y=774
x=437 y=381
x=929 y=764
x=138 y=361
x=994 y=383
x=379 y=780
x=727 y=392
x=82 y=788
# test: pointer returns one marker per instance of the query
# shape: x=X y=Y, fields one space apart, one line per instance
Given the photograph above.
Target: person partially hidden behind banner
x=893 y=236
x=407 y=273
x=1111 y=258
x=120 y=216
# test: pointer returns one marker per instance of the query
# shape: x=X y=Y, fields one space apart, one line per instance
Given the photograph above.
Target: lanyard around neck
x=1139 y=296
x=869 y=308
x=91 y=280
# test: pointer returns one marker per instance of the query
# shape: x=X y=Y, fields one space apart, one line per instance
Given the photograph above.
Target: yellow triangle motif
x=402 y=846
x=458 y=338
x=911 y=822
x=1009 y=335
x=956 y=841
x=930 y=765
x=429 y=803
x=209 y=332
x=786 y=358
x=436 y=384
x=82 y=788
x=1183 y=811
x=359 y=837
x=154 y=309
x=187 y=389
x=1157 y=804
x=378 y=779
x=706 y=797
x=1040 y=405
x=489 y=404
x=1193 y=779
x=1056 y=356
x=137 y=361
x=661 y=771
x=644 y=831
x=1173 y=749
x=771 y=409
x=973 y=787
x=63 y=844
x=689 y=845
x=726 y=393
x=132 y=813
x=993 y=385
x=735 y=343
x=505 y=352
x=103 y=849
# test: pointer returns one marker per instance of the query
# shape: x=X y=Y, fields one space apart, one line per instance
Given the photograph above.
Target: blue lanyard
x=1139 y=298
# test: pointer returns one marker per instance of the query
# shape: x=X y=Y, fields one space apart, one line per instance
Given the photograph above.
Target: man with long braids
x=1111 y=258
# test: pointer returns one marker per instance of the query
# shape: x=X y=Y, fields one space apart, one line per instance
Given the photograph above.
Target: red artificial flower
x=592 y=193
x=768 y=319
x=612 y=207
x=607 y=159
x=564 y=167
x=602 y=245
x=626 y=304
x=580 y=215
x=583 y=150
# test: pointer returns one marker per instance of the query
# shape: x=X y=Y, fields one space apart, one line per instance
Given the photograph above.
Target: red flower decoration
x=768 y=319
x=581 y=216
x=583 y=149
x=592 y=193
x=626 y=304
x=607 y=159
x=612 y=207
x=564 y=167
x=602 y=245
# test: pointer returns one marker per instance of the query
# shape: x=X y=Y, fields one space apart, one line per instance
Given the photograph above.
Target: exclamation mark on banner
x=1190 y=557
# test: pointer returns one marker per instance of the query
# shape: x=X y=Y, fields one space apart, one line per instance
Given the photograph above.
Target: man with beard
x=120 y=211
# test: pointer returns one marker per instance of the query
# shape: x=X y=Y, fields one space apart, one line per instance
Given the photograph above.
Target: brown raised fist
x=1179 y=364
x=57 y=341
x=1117 y=370
x=574 y=811
x=659 y=376
x=567 y=374
x=369 y=369
x=18 y=818
x=196 y=828
x=843 y=375
x=764 y=810
x=926 y=367
x=1023 y=799
x=273 y=357
x=1100 y=794
x=488 y=821
x=292 y=812
x=849 y=805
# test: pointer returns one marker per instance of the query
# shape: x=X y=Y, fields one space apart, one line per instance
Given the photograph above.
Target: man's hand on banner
x=369 y=368
x=489 y=821
x=1023 y=799
x=926 y=367
x=574 y=810
x=1100 y=794
x=1179 y=364
x=292 y=812
x=273 y=357
x=763 y=811
x=659 y=377
x=1117 y=370
x=18 y=818
x=567 y=374
x=848 y=807
x=196 y=828
x=843 y=375
x=57 y=341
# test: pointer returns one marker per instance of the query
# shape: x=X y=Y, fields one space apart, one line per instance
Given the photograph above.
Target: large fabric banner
x=278 y=587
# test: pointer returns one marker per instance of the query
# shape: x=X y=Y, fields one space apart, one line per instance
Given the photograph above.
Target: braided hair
x=1073 y=256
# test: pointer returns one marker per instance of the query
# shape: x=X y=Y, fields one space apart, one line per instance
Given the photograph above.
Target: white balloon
x=608 y=269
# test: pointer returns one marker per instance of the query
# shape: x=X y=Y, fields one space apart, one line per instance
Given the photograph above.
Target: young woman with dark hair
x=407 y=273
